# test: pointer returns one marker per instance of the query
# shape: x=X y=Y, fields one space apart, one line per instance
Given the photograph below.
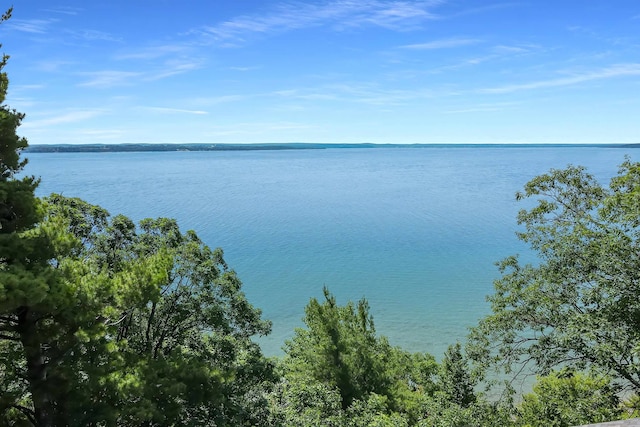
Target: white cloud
x=21 y=88
x=369 y=94
x=442 y=44
x=111 y=78
x=108 y=78
x=338 y=14
x=216 y=100
x=173 y=69
x=486 y=8
x=498 y=106
x=507 y=49
x=244 y=69
x=621 y=70
x=64 y=10
x=69 y=117
x=53 y=65
x=100 y=134
x=93 y=35
x=154 y=52
x=256 y=128
x=174 y=110
x=33 y=26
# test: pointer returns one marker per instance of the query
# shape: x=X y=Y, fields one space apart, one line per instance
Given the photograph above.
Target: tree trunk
x=36 y=368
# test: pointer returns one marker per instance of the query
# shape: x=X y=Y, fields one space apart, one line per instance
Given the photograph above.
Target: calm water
x=417 y=231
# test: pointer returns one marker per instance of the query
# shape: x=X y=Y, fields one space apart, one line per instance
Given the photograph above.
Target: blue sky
x=343 y=71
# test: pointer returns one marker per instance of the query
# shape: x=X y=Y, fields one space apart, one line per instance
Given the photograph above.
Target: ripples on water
x=417 y=231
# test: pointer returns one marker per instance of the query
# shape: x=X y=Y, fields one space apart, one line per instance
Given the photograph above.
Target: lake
x=416 y=231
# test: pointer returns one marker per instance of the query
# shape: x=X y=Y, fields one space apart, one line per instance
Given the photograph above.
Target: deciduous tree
x=577 y=306
x=173 y=343
x=565 y=398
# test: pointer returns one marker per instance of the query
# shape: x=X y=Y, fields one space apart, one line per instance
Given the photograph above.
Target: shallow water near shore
x=416 y=231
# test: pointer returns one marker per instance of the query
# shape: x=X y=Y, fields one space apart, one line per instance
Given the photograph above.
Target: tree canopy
x=578 y=306
x=565 y=398
x=149 y=327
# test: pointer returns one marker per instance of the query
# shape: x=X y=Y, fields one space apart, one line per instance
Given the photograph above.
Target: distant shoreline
x=116 y=148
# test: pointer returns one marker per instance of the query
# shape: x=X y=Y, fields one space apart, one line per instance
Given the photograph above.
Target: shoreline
x=114 y=148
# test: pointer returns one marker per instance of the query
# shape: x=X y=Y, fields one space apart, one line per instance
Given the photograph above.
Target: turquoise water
x=417 y=231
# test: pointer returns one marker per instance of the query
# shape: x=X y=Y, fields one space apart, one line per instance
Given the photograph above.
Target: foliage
x=578 y=306
x=455 y=402
x=565 y=398
x=305 y=402
x=30 y=288
x=340 y=348
x=147 y=326
x=631 y=406
x=440 y=412
x=456 y=383
x=174 y=340
x=366 y=380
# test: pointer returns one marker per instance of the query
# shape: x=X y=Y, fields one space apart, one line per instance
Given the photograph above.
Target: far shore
x=113 y=148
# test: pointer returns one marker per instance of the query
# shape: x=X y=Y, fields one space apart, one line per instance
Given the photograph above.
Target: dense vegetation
x=104 y=322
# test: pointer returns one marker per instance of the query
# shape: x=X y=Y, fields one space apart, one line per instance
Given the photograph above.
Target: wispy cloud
x=356 y=93
x=154 y=52
x=22 y=88
x=64 y=10
x=88 y=135
x=338 y=15
x=69 y=117
x=21 y=103
x=93 y=35
x=517 y=49
x=256 y=128
x=33 y=26
x=498 y=106
x=621 y=70
x=52 y=66
x=108 y=78
x=244 y=69
x=112 y=78
x=216 y=100
x=486 y=8
x=174 y=110
x=442 y=44
x=171 y=69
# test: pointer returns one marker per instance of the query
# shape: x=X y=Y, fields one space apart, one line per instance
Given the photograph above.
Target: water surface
x=417 y=231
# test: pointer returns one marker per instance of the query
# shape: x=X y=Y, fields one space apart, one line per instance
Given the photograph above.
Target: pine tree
x=27 y=278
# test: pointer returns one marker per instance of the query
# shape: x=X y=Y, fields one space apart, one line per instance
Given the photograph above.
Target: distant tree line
x=117 y=148
x=104 y=322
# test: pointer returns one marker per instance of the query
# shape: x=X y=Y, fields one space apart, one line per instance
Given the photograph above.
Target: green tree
x=340 y=348
x=339 y=351
x=173 y=338
x=305 y=402
x=565 y=398
x=455 y=379
x=578 y=306
x=455 y=402
x=440 y=412
x=29 y=285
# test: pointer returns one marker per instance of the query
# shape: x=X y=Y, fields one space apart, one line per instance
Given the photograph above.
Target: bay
x=416 y=231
